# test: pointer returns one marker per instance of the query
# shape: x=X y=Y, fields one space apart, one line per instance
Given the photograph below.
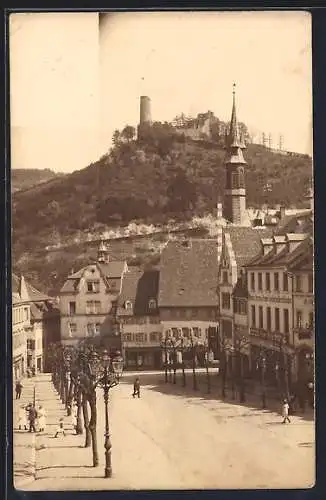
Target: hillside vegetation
x=160 y=177
x=23 y=178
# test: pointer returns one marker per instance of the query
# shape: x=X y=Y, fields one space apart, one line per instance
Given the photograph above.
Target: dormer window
x=128 y=305
x=93 y=286
x=152 y=304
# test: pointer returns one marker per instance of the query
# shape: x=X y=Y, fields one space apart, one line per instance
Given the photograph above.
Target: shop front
x=142 y=358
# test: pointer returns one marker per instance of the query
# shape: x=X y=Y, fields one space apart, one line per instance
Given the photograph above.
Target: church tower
x=235 y=190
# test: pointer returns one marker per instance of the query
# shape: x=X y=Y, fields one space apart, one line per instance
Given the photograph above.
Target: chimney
x=267 y=245
x=282 y=212
x=280 y=243
x=294 y=240
x=23 y=292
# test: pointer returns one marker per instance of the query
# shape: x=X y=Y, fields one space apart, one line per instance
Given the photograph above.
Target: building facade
x=188 y=291
x=239 y=246
x=20 y=321
x=88 y=298
x=139 y=320
x=271 y=305
x=39 y=323
x=302 y=276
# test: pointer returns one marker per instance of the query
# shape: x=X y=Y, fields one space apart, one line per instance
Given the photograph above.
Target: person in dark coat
x=32 y=416
x=19 y=387
x=136 y=388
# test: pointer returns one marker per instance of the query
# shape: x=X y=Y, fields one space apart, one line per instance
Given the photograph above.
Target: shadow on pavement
x=253 y=400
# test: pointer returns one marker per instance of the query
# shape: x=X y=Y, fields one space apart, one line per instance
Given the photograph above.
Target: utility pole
x=281 y=142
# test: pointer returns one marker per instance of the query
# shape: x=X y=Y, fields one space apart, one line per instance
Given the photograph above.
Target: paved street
x=171 y=438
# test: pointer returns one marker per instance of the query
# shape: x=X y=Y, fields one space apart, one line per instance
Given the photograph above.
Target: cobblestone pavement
x=171 y=438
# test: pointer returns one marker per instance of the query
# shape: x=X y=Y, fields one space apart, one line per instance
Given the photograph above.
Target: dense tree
x=128 y=133
x=116 y=138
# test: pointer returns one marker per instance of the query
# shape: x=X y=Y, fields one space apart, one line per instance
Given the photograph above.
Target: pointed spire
x=234 y=139
x=234 y=142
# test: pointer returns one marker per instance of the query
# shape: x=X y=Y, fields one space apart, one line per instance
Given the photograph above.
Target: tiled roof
x=189 y=274
x=297 y=223
x=268 y=259
x=70 y=285
x=112 y=269
x=246 y=242
x=15 y=298
x=241 y=288
x=284 y=257
x=36 y=312
x=299 y=253
x=138 y=287
x=33 y=294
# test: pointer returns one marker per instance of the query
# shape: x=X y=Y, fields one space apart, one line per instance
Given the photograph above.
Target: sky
x=75 y=80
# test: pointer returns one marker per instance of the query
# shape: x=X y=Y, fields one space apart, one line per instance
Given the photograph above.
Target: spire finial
x=234 y=87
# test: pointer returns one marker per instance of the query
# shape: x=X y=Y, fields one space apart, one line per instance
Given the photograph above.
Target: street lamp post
x=112 y=371
x=261 y=362
x=182 y=363
x=285 y=367
x=166 y=359
x=173 y=344
x=105 y=372
x=224 y=373
x=240 y=345
x=193 y=351
x=230 y=349
x=67 y=358
x=207 y=372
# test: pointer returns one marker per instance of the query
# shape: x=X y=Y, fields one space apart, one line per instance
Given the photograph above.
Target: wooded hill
x=160 y=177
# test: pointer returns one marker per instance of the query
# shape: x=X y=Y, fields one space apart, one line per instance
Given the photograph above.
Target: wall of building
x=20 y=320
x=35 y=355
x=74 y=325
x=303 y=308
x=141 y=339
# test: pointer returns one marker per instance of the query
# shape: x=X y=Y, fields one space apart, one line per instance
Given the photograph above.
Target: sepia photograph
x=162 y=279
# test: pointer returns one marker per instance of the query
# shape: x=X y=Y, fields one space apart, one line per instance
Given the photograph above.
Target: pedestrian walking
x=41 y=418
x=32 y=416
x=60 y=429
x=136 y=388
x=22 y=418
x=285 y=412
x=19 y=387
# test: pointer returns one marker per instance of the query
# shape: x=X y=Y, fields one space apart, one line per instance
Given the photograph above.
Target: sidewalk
x=26 y=446
x=23 y=441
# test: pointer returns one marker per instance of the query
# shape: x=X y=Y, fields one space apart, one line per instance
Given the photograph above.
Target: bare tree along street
x=176 y=438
